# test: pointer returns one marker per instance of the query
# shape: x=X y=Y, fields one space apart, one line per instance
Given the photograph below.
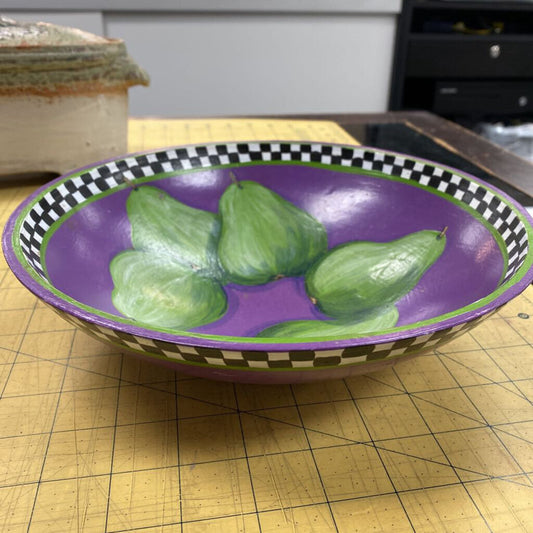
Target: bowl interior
x=69 y=233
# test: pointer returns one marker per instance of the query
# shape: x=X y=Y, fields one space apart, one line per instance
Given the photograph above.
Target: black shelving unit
x=467 y=61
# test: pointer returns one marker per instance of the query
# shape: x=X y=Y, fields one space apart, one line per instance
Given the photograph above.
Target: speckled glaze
x=45 y=59
x=60 y=241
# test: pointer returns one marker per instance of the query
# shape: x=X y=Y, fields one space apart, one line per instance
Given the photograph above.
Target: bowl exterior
x=260 y=366
x=280 y=362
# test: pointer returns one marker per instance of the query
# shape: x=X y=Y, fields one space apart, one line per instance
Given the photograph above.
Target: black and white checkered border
x=257 y=359
x=72 y=192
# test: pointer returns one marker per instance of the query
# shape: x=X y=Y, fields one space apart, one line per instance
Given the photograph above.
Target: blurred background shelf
x=466 y=61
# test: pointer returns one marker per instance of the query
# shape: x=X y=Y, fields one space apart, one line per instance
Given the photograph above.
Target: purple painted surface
x=351 y=206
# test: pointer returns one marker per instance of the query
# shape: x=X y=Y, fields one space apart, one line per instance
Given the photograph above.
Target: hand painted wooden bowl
x=272 y=262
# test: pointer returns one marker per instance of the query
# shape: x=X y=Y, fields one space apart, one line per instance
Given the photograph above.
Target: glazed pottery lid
x=46 y=59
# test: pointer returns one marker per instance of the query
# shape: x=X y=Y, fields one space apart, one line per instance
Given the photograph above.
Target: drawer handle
x=495 y=51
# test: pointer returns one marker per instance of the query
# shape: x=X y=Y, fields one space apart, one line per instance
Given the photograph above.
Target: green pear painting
x=184 y=262
x=162 y=292
x=379 y=319
x=357 y=277
x=162 y=225
x=265 y=237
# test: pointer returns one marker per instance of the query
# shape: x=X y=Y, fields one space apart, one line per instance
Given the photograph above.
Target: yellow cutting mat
x=92 y=440
x=145 y=134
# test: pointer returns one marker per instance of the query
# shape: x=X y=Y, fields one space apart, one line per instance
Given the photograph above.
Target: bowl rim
x=65 y=304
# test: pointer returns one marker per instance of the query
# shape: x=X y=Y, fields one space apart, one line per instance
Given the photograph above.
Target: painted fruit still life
x=182 y=260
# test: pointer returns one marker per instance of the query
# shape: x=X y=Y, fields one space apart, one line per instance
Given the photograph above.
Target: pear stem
x=442 y=233
x=234 y=179
x=130 y=183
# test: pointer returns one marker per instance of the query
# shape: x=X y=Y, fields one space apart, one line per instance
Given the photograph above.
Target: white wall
x=237 y=61
x=258 y=64
x=92 y=21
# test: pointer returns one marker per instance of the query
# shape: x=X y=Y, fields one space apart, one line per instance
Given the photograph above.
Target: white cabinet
x=258 y=64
